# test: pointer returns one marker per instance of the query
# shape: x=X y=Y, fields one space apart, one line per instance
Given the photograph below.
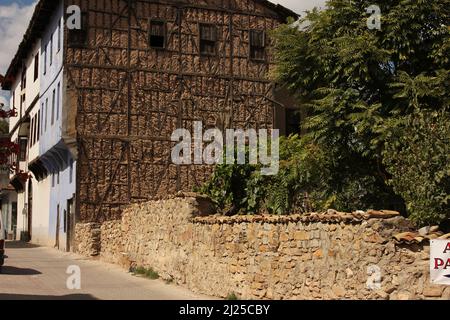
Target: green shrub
x=300 y=182
x=147 y=272
x=417 y=154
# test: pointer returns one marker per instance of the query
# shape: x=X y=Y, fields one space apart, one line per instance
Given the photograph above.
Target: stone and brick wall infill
x=314 y=256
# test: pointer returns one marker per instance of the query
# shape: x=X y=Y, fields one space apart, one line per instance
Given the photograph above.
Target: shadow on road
x=6 y=296
x=19 y=245
x=14 y=271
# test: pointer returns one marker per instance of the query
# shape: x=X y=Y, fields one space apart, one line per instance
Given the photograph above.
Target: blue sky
x=15 y=15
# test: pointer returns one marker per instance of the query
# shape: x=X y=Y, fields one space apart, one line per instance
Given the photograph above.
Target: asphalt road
x=32 y=272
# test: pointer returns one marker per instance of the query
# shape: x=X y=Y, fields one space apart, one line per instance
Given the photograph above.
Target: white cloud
x=14 y=19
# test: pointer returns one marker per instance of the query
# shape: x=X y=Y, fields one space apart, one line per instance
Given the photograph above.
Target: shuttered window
x=257 y=45
x=157 y=33
x=208 y=39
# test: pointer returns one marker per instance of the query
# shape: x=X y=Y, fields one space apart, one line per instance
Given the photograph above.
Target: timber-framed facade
x=131 y=96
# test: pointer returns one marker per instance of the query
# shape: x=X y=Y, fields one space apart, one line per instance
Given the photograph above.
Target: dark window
x=51 y=49
x=157 y=34
x=58 y=96
x=46 y=113
x=59 y=35
x=30 y=138
x=53 y=108
x=24 y=78
x=292 y=122
x=35 y=131
x=53 y=180
x=38 y=124
x=36 y=67
x=42 y=119
x=65 y=221
x=71 y=171
x=208 y=39
x=45 y=60
x=23 y=149
x=78 y=37
x=257 y=45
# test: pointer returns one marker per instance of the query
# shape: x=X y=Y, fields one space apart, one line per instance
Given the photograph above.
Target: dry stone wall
x=314 y=256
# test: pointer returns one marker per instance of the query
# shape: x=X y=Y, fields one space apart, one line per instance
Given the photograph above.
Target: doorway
x=57 y=227
x=69 y=223
x=30 y=210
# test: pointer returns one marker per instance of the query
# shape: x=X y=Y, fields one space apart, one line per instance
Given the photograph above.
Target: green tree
x=359 y=85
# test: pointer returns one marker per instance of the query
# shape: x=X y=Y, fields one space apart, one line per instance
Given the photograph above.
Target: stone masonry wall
x=315 y=256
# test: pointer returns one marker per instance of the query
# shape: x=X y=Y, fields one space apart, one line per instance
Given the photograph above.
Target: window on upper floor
x=30 y=134
x=257 y=45
x=35 y=129
x=36 y=66
x=52 y=121
x=157 y=34
x=23 y=83
x=208 y=39
x=45 y=59
x=23 y=149
x=33 y=132
x=57 y=178
x=42 y=118
x=53 y=179
x=46 y=114
x=38 y=127
x=51 y=49
x=58 y=96
x=60 y=26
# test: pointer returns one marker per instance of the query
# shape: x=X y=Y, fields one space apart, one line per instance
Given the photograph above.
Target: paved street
x=32 y=272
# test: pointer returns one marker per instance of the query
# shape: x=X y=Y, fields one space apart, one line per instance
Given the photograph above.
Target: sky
x=15 y=15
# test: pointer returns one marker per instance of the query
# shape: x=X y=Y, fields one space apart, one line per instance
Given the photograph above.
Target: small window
x=46 y=113
x=293 y=122
x=23 y=149
x=35 y=130
x=51 y=49
x=57 y=178
x=36 y=67
x=38 y=124
x=53 y=180
x=24 y=78
x=42 y=119
x=31 y=136
x=257 y=45
x=71 y=171
x=58 y=96
x=45 y=60
x=52 y=121
x=208 y=39
x=157 y=34
x=59 y=35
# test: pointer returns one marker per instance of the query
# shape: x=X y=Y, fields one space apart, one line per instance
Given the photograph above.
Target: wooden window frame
x=252 y=47
x=164 y=24
x=200 y=25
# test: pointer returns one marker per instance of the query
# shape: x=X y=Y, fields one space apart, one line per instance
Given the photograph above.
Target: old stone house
x=133 y=73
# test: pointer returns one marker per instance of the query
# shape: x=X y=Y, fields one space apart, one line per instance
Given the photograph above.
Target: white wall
x=41 y=200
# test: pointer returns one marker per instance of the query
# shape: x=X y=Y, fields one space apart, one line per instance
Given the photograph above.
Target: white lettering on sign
x=440 y=261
